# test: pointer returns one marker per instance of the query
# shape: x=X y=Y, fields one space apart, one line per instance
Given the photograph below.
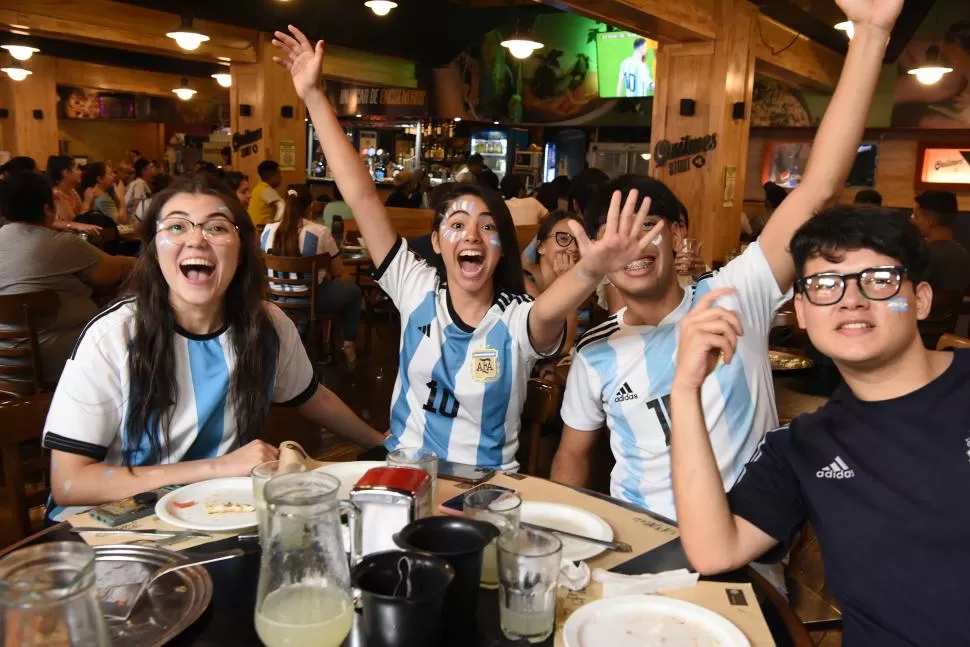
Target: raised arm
x=305 y=63
x=714 y=539
x=837 y=141
x=624 y=240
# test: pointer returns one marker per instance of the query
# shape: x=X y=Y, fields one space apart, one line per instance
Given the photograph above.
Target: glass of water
x=501 y=509
x=418 y=458
x=528 y=562
x=261 y=474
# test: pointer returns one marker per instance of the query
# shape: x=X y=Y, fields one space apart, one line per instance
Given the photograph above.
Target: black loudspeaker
x=688 y=107
x=737 y=110
x=4 y=113
x=38 y=114
x=286 y=112
x=245 y=110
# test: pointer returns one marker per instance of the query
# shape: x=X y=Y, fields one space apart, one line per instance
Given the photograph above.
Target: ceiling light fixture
x=184 y=92
x=17 y=73
x=380 y=7
x=520 y=44
x=847 y=27
x=457 y=119
x=224 y=79
x=186 y=37
x=20 y=52
x=933 y=68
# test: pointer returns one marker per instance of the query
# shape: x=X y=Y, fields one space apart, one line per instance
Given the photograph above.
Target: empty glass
x=528 y=562
x=48 y=596
x=418 y=458
x=501 y=509
x=262 y=473
x=303 y=596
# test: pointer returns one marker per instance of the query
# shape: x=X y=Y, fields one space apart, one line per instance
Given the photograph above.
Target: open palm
x=880 y=13
x=303 y=60
x=623 y=240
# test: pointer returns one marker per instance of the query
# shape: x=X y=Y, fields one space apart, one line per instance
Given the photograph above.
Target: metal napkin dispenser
x=389 y=498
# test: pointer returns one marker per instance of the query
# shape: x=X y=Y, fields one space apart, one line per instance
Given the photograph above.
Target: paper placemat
x=734 y=601
x=152 y=522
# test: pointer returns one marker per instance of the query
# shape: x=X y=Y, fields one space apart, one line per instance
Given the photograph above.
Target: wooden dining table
x=229 y=617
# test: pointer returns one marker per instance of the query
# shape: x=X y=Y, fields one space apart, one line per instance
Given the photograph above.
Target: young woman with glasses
x=172 y=384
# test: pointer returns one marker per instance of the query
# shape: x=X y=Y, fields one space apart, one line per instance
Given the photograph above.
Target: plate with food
x=637 y=620
x=783 y=360
x=219 y=505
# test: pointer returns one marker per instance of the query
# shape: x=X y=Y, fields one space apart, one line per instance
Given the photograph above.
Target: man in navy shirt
x=882 y=471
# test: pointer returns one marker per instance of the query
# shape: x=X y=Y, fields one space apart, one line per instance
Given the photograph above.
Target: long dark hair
x=151 y=361
x=93 y=172
x=287 y=239
x=508 y=273
x=57 y=166
x=553 y=219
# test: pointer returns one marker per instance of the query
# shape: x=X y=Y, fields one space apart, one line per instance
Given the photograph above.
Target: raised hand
x=707 y=334
x=303 y=60
x=878 y=13
x=623 y=241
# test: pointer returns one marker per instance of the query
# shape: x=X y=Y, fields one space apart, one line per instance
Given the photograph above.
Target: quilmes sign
x=682 y=156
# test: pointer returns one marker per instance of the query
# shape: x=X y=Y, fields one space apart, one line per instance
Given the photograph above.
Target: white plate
x=349 y=473
x=570 y=519
x=229 y=490
x=647 y=620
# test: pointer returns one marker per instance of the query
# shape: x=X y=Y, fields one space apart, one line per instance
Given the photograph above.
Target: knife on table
x=618 y=546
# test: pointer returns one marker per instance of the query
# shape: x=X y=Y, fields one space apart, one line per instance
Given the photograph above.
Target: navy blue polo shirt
x=886 y=486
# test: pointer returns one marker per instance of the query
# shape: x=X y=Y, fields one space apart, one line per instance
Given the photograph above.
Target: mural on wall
x=197 y=117
x=945 y=104
x=778 y=105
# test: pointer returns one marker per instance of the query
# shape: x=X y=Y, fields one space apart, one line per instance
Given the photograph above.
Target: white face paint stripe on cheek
x=898 y=304
x=658 y=239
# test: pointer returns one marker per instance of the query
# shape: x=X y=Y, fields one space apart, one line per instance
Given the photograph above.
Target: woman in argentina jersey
x=172 y=384
x=469 y=333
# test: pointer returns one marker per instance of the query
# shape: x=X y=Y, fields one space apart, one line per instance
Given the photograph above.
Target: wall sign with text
x=681 y=156
x=352 y=100
x=943 y=168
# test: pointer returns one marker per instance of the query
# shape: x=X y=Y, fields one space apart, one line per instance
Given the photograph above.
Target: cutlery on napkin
x=615 y=584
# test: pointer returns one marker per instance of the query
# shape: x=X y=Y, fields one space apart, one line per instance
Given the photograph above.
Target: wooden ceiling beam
x=804 y=62
x=119 y=79
x=111 y=24
x=667 y=21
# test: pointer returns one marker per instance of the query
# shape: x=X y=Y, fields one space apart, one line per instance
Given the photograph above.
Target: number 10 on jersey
x=446 y=405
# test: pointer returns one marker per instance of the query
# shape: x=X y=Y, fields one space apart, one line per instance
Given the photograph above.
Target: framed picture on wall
x=943 y=166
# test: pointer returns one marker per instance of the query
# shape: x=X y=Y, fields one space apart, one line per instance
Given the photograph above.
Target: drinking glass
x=528 y=562
x=688 y=248
x=418 y=458
x=262 y=473
x=48 y=596
x=501 y=509
x=303 y=596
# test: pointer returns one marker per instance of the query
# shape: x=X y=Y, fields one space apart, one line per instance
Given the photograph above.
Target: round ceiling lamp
x=521 y=45
x=380 y=7
x=224 y=79
x=20 y=52
x=847 y=27
x=184 y=92
x=933 y=69
x=186 y=37
x=17 y=73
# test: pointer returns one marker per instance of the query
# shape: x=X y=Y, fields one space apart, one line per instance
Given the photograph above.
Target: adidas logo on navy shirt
x=625 y=393
x=837 y=470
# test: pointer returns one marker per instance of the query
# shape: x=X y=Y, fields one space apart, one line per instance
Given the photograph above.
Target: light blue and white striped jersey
x=314 y=239
x=621 y=376
x=89 y=409
x=459 y=390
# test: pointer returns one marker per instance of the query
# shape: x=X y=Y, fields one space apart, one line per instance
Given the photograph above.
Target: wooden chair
x=21 y=367
x=524 y=235
x=300 y=306
x=25 y=464
x=949 y=341
x=541 y=406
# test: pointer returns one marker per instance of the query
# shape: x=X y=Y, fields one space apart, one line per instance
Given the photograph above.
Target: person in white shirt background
x=140 y=188
x=525 y=210
x=634 y=79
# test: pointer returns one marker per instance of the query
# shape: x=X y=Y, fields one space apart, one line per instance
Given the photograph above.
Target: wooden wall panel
x=365 y=67
x=23 y=133
x=664 y=20
x=107 y=141
x=122 y=79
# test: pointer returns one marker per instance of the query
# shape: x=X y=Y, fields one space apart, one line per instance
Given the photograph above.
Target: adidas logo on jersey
x=425 y=330
x=837 y=470
x=625 y=393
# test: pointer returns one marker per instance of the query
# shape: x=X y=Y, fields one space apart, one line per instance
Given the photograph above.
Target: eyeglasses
x=563 y=239
x=217 y=231
x=875 y=283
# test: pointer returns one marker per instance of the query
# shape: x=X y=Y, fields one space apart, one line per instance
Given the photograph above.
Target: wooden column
x=266 y=89
x=715 y=75
x=30 y=127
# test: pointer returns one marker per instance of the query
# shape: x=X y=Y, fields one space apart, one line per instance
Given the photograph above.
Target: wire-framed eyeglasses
x=563 y=238
x=217 y=231
x=875 y=283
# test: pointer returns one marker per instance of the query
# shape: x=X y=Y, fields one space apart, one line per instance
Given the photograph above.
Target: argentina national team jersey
x=459 y=390
x=314 y=239
x=621 y=377
x=89 y=409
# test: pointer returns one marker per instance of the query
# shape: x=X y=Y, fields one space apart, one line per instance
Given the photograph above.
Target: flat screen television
x=627 y=65
x=785 y=162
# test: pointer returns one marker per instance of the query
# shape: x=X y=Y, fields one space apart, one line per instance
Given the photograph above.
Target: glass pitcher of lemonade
x=304 y=597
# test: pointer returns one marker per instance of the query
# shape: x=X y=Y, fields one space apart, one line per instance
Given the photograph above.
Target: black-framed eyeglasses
x=563 y=239
x=875 y=283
